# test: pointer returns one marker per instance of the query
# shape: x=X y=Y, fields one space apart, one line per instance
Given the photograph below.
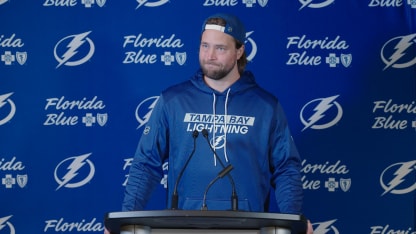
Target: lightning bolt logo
x=218 y=142
x=150 y=4
x=323 y=106
x=72 y=49
x=4 y=222
x=253 y=44
x=141 y=2
x=405 y=169
x=148 y=111
x=325 y=227
x=305 y=3
x=4 y=99
x=308 y=3
x=73 y=170
x=405 y=42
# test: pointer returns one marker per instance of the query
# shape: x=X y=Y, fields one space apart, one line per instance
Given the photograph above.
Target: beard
x=215 y=73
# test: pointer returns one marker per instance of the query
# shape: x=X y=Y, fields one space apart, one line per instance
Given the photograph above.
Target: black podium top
x=195 y=219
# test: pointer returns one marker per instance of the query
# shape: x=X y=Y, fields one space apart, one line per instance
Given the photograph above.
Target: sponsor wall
x=79 y=78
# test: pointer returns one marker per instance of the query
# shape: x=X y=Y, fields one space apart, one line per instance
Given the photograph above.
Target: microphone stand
x=234 y=197
x=175 y=197
x=220 y=175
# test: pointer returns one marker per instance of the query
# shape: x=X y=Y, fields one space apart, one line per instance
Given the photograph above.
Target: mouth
x=211 y=65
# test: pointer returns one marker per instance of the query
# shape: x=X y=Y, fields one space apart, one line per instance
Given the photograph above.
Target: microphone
x=175 y=198
x=234 y=197
x=220 y=175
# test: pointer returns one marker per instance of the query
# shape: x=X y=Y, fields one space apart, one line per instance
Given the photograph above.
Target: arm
x=146 y=169
x=285 y=167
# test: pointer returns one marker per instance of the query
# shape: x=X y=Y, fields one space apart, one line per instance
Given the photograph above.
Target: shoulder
x=265 y=96
x=176 y=89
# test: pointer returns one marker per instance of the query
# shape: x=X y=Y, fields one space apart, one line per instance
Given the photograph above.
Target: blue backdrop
x=78 y=79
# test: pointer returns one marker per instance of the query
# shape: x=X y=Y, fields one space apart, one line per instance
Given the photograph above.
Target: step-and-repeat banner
x=79 y=78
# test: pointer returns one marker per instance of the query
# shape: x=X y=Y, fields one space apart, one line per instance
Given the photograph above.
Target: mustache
x=211 y=63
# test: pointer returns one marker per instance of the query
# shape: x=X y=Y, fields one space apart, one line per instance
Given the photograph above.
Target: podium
x=195 y=221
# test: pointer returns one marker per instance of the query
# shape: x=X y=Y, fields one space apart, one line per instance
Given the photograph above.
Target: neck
x=222 y=84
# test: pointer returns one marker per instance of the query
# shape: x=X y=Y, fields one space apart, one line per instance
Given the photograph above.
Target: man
x=244 y=124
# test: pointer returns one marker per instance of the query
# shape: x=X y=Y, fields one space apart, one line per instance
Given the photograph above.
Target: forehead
x=212 y=36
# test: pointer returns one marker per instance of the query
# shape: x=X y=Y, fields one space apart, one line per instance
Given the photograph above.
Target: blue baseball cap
x=234 y=27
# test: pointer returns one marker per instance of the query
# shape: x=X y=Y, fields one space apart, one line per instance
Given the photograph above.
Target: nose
x=210 y=53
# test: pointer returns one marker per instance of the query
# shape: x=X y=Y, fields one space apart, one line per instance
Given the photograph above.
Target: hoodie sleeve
x=286 y=167
x=146 y=169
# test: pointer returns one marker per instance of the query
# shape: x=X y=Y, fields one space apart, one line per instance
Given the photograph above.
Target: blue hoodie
x=247 y=129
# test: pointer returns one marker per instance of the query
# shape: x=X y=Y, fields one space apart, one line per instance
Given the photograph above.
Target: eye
x=221 y=48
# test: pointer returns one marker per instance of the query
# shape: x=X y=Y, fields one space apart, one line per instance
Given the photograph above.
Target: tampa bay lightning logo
x=218 y=142
x=326 y=227
x=398 y=52
x=315 y=4
x=144 y=110
x=7 y=106
x=148 y=3
x=74 y=50
x=250 y=42
x=77 y=171
x=6 y=224
x=397 y=178
x=321 y=108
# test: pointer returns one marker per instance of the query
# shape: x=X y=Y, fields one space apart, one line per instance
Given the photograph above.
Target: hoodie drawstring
x=214 y=101
x=225 y=124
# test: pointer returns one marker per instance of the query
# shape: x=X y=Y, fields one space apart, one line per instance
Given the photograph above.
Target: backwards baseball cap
x=233 y=27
